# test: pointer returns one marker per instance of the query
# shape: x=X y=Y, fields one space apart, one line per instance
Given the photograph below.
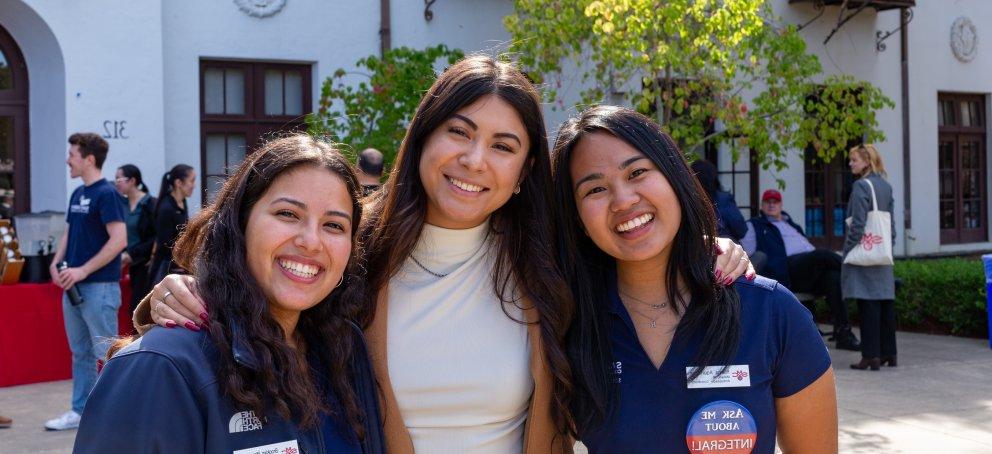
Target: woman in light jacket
x=872 y=286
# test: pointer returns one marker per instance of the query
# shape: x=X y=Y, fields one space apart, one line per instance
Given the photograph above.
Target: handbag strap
x=874 y=201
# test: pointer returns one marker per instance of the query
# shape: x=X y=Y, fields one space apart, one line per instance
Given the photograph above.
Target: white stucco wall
x=111 y=51
x=932 y=69
x=138 y=62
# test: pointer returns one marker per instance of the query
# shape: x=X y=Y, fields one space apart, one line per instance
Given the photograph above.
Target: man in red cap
x=796 y=263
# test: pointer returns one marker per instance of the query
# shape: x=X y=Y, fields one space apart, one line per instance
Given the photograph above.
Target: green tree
x=375 y=112
x=709 y=71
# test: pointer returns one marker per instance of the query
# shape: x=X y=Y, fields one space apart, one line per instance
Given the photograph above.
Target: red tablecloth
x=33 y=345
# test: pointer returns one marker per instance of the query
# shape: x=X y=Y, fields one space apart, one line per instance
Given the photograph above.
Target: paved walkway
x=939 y=400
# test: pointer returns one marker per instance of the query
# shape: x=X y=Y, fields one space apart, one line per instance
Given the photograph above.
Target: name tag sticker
x=736 y=376
x=721 y=426
x=286 y=447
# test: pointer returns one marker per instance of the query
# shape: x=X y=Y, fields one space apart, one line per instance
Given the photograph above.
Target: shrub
x=940 y=296
x=949 y=293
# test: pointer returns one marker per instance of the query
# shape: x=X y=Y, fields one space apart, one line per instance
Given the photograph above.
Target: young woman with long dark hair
x=171 y=215
x=140 y=222
x=464 y=306
x=663 y=357
x=280 y=364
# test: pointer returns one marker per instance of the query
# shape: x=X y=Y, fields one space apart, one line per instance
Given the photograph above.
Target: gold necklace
x=652 y=321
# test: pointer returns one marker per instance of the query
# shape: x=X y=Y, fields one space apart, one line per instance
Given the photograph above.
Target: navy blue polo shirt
x=91 y=208
x=780 y=354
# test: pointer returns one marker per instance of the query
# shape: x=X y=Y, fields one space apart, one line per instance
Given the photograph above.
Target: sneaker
x=68 y=420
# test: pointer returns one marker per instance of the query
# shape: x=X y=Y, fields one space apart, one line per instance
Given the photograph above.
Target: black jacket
x=141 y=252
x=161 y=394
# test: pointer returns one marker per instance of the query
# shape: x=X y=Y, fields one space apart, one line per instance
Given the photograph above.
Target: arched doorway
x=15 y=187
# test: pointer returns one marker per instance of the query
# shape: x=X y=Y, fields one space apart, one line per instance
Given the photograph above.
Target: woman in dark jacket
x=279 y=366
x=171 y=215
x=140 y=220
x=873 y=286
x=729 y=221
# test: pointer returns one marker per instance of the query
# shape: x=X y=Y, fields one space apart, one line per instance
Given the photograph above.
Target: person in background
x=872 y=286
x=280 y=367
x=140 y=222
x=370 y=164
x=794 y=262
x=729 y=221
x=171 y=215
x=92 y=243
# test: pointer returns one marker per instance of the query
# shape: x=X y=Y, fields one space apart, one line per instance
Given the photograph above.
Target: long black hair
x=178 y=172
x=213 y=246
x=708 y=177
x=131 y=171
x=523 y=225
x=715 y=310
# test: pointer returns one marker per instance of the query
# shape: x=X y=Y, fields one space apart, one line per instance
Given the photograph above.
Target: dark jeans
x=818 y=272
x=878 y=328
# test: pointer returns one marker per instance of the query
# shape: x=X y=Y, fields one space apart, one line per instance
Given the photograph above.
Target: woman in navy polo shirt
x=664 y=358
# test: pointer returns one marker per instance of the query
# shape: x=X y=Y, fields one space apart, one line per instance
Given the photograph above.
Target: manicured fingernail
x=203 y=316
x=717 y=274
x=752 y=276
x=719 y=251
x=191 y=326
x=728 y=281
x=170 y=324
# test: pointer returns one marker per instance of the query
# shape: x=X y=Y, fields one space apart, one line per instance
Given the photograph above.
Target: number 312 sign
x=114 y=129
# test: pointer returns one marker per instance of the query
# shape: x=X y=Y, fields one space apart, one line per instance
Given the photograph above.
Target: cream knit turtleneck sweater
x=458 y=364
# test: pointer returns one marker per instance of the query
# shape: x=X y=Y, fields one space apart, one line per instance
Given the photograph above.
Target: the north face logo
x=244 y=422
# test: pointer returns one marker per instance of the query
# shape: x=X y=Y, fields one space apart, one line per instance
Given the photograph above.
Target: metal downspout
x=904 y=76
x=385 y=32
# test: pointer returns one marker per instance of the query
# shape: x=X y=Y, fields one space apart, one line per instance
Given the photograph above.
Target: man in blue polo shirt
x=796 y=263
x=92 y=243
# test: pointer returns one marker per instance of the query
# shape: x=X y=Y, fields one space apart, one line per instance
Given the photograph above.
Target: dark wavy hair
x=132 y=171
x=178 y=172
x=213 y=247
x=521 y=227
x=715 y=310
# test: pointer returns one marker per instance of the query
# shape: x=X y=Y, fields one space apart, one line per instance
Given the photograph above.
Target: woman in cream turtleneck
x=466 y=307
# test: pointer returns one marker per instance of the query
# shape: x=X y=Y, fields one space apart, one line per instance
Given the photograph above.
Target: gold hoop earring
x=517 y=190
x=340 y=281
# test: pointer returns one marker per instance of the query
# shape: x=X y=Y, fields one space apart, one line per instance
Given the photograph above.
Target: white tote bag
x=875 y=247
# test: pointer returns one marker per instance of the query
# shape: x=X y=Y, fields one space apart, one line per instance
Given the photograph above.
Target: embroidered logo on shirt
x=243 y=422
x=617 y=370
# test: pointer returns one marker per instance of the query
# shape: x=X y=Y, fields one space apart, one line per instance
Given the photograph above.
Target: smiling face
x=626 y=205
x=472 y=163
x=857 y=163
x=298 y=239
x=77 y=163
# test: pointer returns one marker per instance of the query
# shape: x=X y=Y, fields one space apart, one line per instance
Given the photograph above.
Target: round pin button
x=721 y=426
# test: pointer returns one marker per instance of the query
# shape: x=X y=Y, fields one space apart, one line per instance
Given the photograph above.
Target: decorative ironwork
x=428 y=14
x=881 y=36
x=817 y=6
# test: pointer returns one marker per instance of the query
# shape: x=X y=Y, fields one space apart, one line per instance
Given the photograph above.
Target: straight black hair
x=132 y=171
x=714 y=312
x=178 y=172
